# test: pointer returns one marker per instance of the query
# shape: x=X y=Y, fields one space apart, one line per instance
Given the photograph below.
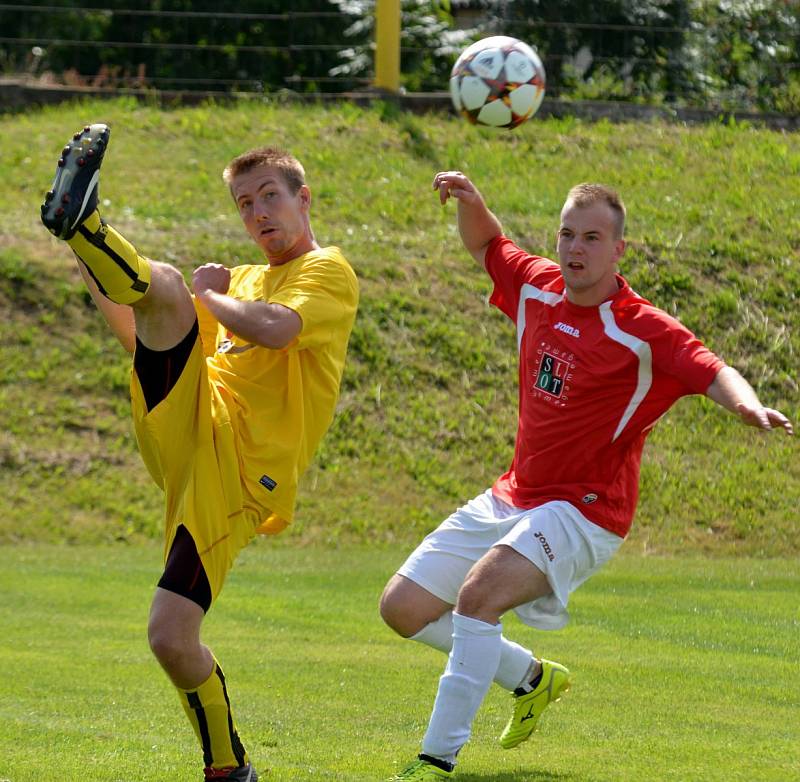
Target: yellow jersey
x=281 y=402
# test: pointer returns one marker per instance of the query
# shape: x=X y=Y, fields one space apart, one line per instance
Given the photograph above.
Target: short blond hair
x=586 y=194
x=287 y=165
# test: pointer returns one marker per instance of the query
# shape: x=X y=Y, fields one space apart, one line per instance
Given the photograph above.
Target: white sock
x=515 y=661
x=466 y=679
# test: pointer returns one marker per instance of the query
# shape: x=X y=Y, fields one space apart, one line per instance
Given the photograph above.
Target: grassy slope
x=683 y=670
x=428 y=404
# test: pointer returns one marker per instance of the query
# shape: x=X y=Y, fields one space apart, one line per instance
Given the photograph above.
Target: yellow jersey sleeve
x=323 y=291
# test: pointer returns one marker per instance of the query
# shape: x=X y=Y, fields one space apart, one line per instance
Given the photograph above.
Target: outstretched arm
x=476 y=224
x=268 y=325
x=734 y=393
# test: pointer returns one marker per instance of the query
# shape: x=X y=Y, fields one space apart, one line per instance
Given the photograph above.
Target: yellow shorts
x=189 y=448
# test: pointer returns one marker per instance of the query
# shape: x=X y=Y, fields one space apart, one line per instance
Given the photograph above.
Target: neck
x=592 y=297
x=303 y=246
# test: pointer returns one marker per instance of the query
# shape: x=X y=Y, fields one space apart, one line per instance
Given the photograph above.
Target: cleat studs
x=59 y=211
x=61 y=162
x=81 y=161
x=76 y=136
x=89 y=153
x=86 y=128
x=49 y=195
x=65 y=198
x=66 y=150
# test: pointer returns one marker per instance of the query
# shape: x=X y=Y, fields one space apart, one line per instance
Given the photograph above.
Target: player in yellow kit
x=233 y=386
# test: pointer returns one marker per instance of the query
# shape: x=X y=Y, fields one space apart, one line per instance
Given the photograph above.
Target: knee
x=166 y=645
x=407 y=607
x=170 y=280
x=392 y=611
x=398 y=613
x=474 y=600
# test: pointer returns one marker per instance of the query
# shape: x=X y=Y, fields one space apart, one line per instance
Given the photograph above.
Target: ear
x=305 y=197
x=619 y=249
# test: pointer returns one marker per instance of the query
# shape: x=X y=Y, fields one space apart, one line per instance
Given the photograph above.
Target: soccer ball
x=498 y=81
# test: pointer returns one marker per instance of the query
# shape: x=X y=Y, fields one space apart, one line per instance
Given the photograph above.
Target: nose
x=575 y=246
x=260 y=211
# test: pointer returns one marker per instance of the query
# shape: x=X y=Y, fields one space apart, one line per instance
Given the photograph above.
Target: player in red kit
x=598 y=366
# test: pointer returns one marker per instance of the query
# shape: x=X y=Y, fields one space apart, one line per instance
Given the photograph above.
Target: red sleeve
x=510 y=268
x=696 y=365
x=683 y=356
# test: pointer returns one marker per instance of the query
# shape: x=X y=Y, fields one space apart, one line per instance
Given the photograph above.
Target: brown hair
x=587 y=194
x=289 y=166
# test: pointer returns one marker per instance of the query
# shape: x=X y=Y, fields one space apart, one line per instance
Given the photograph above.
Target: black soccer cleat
x=244 y=773
x=73 y=196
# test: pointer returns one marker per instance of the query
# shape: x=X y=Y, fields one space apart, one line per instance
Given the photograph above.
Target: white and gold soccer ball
x=498 y=81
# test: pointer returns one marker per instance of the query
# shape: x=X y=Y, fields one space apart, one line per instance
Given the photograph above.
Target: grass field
x=426 y=418
x=684 y=650
x=685 y=670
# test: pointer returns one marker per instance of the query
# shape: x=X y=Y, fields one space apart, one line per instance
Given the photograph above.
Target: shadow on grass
x=534 y=775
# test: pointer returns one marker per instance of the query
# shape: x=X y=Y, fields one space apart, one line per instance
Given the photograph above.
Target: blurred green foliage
x=725 y=54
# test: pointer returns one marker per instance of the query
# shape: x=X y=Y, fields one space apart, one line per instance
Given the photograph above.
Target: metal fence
x=223 y=50
x=212 y=44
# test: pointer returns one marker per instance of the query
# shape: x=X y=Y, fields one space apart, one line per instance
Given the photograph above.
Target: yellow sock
x=121 y=274
x=209 y=711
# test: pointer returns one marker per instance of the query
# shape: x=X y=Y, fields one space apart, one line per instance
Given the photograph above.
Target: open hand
x=764 y=418
x=454 y=183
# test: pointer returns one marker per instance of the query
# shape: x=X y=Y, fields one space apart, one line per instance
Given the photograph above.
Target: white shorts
x=555 y=537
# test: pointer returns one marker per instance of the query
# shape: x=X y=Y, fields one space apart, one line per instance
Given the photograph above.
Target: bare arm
x=268 y=325
x=731 y=391
x=118 y=316
x=476 y=224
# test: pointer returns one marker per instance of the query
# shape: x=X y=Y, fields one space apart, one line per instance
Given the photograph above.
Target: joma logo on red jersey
x=567 y=329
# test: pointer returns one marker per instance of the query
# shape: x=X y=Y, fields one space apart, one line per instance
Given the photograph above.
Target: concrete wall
x=20 y=95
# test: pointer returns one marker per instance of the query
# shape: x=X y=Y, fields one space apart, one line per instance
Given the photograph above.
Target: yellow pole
x=387 y=45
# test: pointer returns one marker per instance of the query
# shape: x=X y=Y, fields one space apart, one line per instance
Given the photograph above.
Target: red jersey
x=593 y=381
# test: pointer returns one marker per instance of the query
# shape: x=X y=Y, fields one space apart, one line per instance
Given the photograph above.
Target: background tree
x=729 y=54
x=746 y=52
x=603 y=48
x=257 y=44
x=429 y=44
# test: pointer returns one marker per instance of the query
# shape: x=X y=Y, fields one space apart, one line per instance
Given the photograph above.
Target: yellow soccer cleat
x=421 y=771
x=528 y=706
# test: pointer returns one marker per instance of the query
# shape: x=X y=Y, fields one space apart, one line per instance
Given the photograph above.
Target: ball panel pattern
x=498 y=81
